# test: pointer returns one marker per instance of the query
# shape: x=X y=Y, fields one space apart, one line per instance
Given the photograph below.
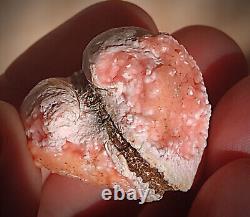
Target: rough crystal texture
x=146 y=125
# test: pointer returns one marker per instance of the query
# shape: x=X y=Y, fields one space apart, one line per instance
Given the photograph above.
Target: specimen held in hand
x=136 y=115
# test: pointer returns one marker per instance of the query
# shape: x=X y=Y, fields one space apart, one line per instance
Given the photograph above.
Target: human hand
x=25 y=193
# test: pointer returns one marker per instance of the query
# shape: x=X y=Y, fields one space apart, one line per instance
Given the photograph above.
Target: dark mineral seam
x=136 y=163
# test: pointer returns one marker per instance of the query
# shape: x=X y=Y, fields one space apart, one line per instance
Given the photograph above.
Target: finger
x=67 y=197
x=59 y=53
x=226 y=193
x=112 y=208
x=20 y=180
x=174 y=204
x=220 y=59
x=229 y=136
x=63 y=196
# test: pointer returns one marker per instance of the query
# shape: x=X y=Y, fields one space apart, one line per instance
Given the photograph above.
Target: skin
x=222 y=185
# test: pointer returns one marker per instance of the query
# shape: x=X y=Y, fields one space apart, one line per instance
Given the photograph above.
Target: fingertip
x=220 y=59
x=173 y=204
x=20 y=179
x=226 y=193
x=65 y=196
x=229 y=136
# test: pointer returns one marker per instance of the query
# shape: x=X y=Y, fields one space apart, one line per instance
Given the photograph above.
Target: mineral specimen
x=136 y=114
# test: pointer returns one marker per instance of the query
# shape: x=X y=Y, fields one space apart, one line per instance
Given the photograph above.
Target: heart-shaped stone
x=137 y=115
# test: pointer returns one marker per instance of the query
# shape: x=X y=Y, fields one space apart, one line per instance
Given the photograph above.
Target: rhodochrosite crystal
x=136 y=115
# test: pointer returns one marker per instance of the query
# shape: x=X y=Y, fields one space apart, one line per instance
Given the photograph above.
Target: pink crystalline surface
x=162 y=91
x=158 y=100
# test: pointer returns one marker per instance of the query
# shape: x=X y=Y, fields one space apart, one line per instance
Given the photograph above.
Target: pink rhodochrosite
x=136 y=115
